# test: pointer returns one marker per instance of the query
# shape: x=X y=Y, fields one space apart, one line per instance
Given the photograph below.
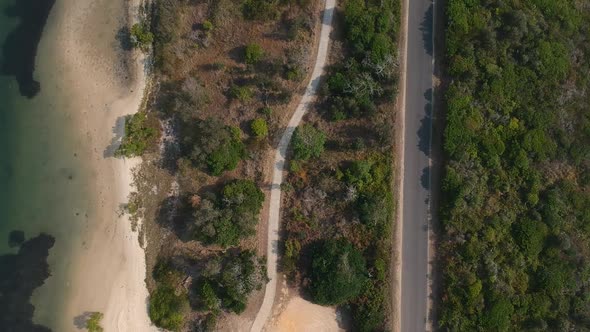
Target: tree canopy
x=215 y=146
x=514 y=210
x=230 y=217
x=308 y=142
x=338 y=272
x=166 y=308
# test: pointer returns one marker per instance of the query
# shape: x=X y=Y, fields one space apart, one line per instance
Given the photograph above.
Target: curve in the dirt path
x=279 y=165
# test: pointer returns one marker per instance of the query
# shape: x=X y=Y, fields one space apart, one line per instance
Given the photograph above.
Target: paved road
x=416 y=170
x=281 y=153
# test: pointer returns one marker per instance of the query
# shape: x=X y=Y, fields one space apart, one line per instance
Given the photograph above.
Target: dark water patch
x=20 y=275
x=20 y=47
x=16 y=238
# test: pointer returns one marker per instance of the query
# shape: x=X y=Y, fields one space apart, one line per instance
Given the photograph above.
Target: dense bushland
x=516 y=196
x=339 y=199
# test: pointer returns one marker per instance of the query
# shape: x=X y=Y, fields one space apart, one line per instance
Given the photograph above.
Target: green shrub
x=165 y=272
x=338 y=272
x=138 y=136
x=372 y=209
x=266 y=111
x=241 y=273
x=241 y=93
x=260 y=9
x=498 y=316
x=293 y=74
x=166 y=308
x=207 y=25
x=308 y=142
x=209 y=298
x=259 y=128
x=368 y=310
x=93 y=323
x=359 y=173
x=253 y=53
x=232 y=217
x=141 y=36
x=530 y=236
x=294 y=166
x=227 y=155
x=216 y=147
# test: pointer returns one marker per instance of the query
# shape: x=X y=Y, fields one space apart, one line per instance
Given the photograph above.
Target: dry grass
x=205 y=65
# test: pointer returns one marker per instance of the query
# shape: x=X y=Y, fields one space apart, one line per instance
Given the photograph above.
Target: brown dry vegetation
x=201 y=74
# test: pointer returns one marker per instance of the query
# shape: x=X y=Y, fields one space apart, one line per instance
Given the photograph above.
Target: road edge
x=400 y=147
x=429 y=225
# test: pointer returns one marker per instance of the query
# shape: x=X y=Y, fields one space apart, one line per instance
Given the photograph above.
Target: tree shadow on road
x=427 y=33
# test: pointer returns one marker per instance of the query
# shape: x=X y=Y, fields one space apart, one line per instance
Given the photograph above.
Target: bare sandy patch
x=302 y=315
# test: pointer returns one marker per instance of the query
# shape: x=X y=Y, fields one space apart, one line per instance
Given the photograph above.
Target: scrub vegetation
x=141 y=36
x=93 y=322
x=141 y=132
x=221 y=98
x=516 y=191
x=339 y=206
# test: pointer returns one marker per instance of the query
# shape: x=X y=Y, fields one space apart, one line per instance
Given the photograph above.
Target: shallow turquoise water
x=43 y=180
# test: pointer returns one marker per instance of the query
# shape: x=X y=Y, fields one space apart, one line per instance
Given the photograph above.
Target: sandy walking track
x=279 y=166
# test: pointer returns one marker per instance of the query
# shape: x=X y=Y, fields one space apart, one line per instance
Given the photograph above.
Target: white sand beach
x=107 y=273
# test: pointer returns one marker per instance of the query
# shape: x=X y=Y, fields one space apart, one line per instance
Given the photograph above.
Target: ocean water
x=44 y=183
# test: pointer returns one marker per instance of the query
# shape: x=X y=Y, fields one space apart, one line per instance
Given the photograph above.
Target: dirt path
x=401 y=133
x=279 y=165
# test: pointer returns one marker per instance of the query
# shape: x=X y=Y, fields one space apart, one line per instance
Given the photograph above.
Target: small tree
x=166 y=308
x=260 y=9
x=141 y=36
x=253 y=53
x=241 y=93
x=216 y=147
x=138 y=136
x=232 y=216
x=93 y=323
x=259 y=128
x=308 y=142
x=338 y=272
x=207 y=25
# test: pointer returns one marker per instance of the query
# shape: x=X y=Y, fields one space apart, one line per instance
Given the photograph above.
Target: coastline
x=106 y=272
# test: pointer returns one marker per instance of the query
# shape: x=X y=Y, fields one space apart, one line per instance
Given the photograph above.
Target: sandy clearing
x=302 y=315
x=279 y=165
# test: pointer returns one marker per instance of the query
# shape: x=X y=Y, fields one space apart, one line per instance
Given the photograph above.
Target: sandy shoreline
x=107 y=273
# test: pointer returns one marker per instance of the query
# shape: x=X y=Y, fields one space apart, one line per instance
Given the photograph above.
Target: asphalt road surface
x=416 y=172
